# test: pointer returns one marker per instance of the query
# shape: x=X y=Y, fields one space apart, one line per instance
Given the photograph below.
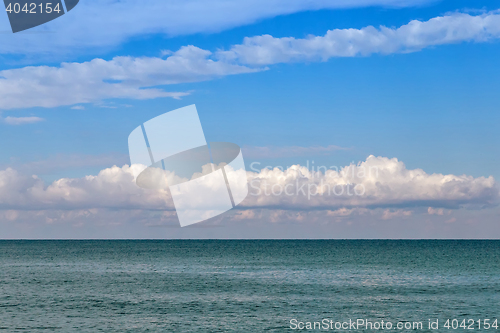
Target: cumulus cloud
x=375 y=183
x=22 y=120
x=121 y=77
x=111 y=205
x=111 y=188
x=100 y=24
x=385 y=183
x=414 y=36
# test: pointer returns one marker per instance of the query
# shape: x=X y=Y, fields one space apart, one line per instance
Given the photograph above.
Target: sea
x=249 y=285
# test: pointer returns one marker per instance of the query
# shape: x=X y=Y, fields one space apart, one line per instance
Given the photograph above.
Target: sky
x=407 y=87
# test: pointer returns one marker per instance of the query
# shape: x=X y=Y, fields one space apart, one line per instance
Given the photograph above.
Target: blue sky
x=434 y=107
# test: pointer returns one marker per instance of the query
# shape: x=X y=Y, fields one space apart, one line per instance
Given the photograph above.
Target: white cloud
x=78 y=107
x=107 y=23
x=387 y=184
x=139 y=78
x=440 y=211
x=352 y=223
x=22 y=120
x=414 y=36
x=111 y=188
x=399 y=213
x=395 y=205
x=121 y=77
x=376 y=182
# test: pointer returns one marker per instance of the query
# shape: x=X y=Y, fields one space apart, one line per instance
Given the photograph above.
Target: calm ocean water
x=242 y=286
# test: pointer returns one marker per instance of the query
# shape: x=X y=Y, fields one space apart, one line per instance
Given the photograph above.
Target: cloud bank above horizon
x=386 y=183
x=396 y=203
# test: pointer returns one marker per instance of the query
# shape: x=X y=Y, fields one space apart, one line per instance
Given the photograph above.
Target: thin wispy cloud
x=104 y=24
x=140 y=78
x=121 y=77
x=21 y=120
x=412 y=37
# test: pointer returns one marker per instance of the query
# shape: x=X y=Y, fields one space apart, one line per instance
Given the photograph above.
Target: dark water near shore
x=241 y=286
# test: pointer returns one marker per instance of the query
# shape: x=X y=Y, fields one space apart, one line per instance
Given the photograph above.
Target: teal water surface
x=242 y=286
